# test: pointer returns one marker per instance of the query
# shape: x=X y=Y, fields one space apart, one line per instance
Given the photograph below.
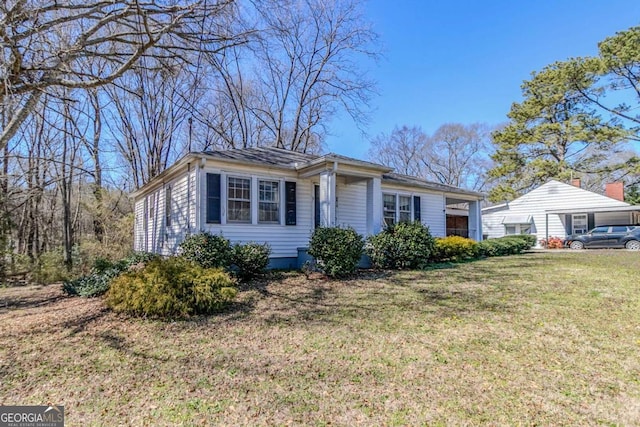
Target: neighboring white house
x=556 y=209
x=278 y=197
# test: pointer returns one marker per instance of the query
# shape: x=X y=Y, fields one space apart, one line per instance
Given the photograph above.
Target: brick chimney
x=576 y=182
x=615 y=190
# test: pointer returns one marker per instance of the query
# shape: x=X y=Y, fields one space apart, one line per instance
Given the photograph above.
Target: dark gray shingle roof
x=264 y=155
x=423 y=183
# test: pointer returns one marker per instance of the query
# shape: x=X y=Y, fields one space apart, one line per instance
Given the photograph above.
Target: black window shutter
x=290 y=202
x=568 y=224
x=316 y=205
x=416 y=209
x=213 y=198
x=591 y=221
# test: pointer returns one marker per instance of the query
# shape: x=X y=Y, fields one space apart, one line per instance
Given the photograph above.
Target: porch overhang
x=517 y=219
x=356 y=170
x=600 y=209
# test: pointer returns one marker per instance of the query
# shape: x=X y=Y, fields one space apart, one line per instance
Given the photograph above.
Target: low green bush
x=337 y=250
x=400 y=246
x=250 y=260
x=508 y=245
x=531 y=239
x=455 y=248
x=207 y=250
x=171 y=288
x=98 y=280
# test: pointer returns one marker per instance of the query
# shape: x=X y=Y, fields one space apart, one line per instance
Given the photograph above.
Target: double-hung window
x=404 y=209
x=269 y=202
x=249 y=200
x=389 y=209
x=238 y=199
x=167 y=206
x=396 y=208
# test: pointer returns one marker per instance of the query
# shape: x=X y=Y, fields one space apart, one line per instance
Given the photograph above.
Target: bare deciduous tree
x=89 y=43
x=296 y=72
x=148 y=116
x=455 y=154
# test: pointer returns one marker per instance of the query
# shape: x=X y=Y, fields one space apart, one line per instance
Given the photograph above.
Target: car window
x=619 y=229
x=599 y=230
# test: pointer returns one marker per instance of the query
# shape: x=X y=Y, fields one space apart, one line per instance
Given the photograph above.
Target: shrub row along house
x=279 y=197
x=556 y=209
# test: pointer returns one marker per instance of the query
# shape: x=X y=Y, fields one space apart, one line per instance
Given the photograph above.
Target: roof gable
x=556 y=192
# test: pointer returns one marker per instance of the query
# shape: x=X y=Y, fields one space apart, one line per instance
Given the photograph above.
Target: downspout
x=198 y=196
x=444 y=212
x=335 y=193
x=188 y=199
x=546 y=225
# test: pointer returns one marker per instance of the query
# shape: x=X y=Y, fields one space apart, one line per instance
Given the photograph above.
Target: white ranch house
x=279 y=197
x=556 y=209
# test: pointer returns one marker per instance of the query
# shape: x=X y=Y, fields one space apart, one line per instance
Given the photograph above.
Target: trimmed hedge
x=97 y=282
x=406 y=245
x=171 y=288
x=455 y=248
x=508 y=245
x=337 y=250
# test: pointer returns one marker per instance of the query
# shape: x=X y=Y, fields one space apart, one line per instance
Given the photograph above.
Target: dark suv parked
x=607 y=236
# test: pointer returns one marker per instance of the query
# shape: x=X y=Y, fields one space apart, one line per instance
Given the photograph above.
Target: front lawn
x=541 y=338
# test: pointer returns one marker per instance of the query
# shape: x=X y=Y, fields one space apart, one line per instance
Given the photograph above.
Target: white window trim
x=279 y=203
x=251 y=197
x=518 y=228
x=397 y=196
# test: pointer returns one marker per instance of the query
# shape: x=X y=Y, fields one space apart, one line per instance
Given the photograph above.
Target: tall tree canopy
x=296 y=72
x=553 y=133
x=455 y=154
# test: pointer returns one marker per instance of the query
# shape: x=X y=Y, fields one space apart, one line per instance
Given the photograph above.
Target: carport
x=593 y=217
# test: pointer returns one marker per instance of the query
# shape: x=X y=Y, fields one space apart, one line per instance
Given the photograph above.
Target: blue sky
x=464 y=61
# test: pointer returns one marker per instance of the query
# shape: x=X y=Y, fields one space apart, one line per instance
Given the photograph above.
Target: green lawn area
x=541 y=338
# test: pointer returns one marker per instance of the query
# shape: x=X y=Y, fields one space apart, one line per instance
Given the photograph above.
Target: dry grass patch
x=543 y=338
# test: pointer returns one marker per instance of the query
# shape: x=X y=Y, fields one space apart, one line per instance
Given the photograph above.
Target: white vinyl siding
x=139 y=231
x=181 y=212
x=351 y=205
x=433 y=213
x=283 y=239
x=160 y=226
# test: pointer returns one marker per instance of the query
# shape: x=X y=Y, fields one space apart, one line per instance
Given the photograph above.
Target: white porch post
x=374 y=205
x=327 y=199
x=475 y=220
